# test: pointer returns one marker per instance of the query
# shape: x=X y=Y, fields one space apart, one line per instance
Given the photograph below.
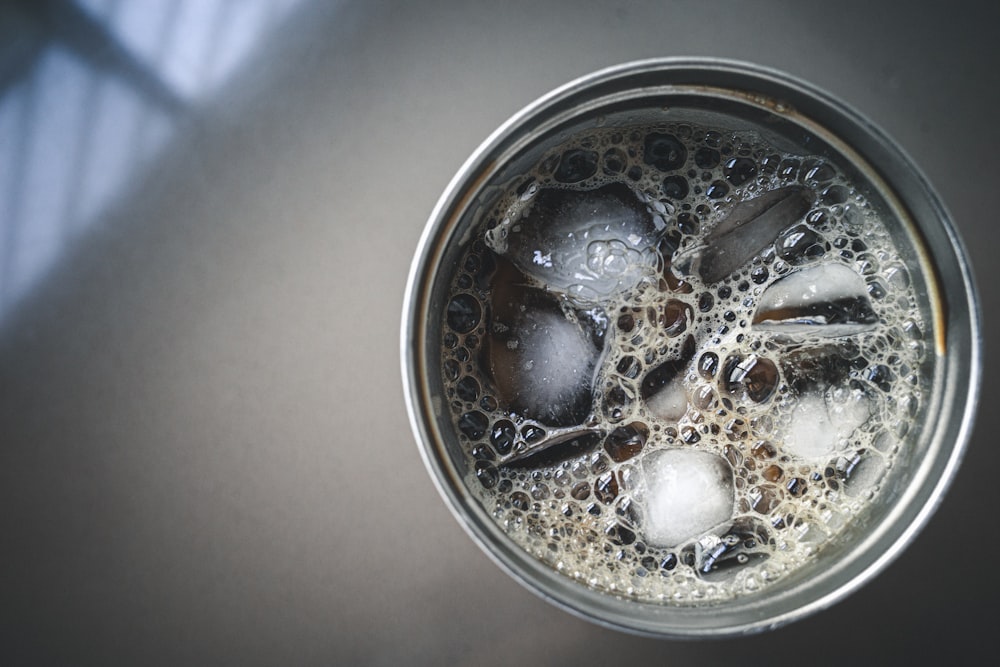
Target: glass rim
x=959 y=351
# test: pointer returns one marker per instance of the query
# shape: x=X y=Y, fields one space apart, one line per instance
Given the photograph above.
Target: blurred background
x=207 y=213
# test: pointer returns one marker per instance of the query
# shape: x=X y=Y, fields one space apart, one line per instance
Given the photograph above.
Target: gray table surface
x=204 y=452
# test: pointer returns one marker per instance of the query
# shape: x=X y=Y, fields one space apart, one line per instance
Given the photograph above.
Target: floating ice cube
x=829 y=300
x=821 y=422
x=748 y=228
x=663 y=387
x=544 y=367
x=540 y=355
x=587 y=244
x=865 y=474
x=670 y=403
x=684 y=493
x=826 y=282
x=815 y=367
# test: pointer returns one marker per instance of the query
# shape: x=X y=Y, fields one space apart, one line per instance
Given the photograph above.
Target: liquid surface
x=679 y=361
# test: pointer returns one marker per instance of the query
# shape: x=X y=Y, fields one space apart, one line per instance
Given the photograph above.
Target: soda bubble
x=739 y=170
x=575 y=166
x=706 y=158
x=717 y=190
x=464 y=313
x=664 y=151
x=751 y=378
x=626 y=442
x=502 y=436
x=800 y=245
x=675 y=187
x=615 y=161
x=473 y=424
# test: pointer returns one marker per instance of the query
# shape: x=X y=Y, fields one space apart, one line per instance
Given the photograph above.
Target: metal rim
x=962 y=363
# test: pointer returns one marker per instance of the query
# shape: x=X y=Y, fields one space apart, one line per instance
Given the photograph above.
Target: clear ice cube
x=543 y=366
x=821 y=422
x=684 y=494
x=586 y=244
x=540 y=355
x=748 y=228
x=670 y=403
x=663 y=387
x=828 y=299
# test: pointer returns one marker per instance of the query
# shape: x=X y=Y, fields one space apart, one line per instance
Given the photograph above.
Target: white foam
x=686 y=493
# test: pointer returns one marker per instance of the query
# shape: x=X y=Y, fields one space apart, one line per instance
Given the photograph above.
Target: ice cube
x=829 y=300
x=685 y=494
x=542 y=364
x=821 y=422
x=663 y=387
x=749 y=227
x=586 y=244
x=670 y=403
x=866 y=473
x=814 y=368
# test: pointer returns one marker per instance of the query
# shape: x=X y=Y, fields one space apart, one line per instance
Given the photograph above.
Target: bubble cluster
x=680 y=361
